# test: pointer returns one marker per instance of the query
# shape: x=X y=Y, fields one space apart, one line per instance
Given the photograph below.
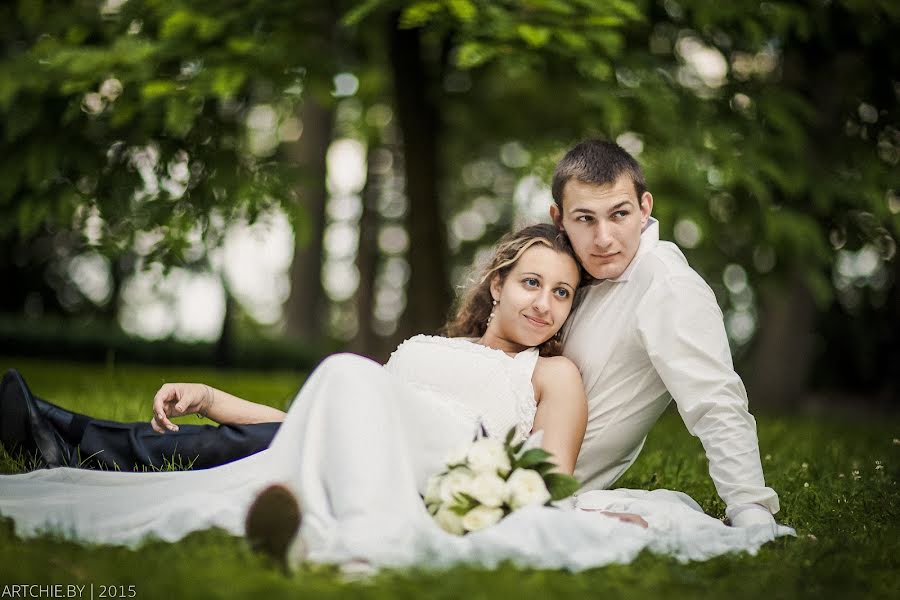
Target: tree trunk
x=307 y=306
x=366 y=342
x=783 y=352
x=428 y=294
x=223 y=351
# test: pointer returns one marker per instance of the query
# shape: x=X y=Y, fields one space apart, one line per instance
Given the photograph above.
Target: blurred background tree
x=354 y=157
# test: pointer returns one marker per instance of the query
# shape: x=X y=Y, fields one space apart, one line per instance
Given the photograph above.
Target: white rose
x=449 y=521
x=525 y=487
x=433 y=490
x=481 y=517
x=455 y=482
x=488 y=455
x=457 y=455
x=488 y=489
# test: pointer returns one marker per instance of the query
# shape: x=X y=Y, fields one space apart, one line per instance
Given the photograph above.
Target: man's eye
x=620 y=214
x=584 y=219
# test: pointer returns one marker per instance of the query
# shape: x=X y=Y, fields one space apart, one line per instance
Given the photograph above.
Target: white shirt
x=651 y=335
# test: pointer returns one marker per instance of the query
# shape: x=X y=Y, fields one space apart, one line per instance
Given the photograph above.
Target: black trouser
x=129 y=446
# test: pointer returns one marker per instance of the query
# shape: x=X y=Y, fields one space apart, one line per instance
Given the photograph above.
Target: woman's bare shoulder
x=557 y=369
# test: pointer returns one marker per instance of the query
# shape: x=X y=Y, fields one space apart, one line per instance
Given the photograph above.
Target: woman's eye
x=530 y=282
x=562 y=293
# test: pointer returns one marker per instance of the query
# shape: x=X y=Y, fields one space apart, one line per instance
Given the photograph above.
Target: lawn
x=836 y=476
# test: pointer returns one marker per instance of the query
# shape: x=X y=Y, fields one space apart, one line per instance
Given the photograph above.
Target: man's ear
x=556 y=215
x=646 y=207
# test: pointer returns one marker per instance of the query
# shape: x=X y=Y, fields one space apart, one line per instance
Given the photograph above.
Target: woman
x=361 y=439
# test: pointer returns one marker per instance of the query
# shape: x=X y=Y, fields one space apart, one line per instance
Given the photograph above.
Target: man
x=647 y=330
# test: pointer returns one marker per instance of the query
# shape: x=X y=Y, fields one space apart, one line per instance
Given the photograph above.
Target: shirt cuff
x=748 y=515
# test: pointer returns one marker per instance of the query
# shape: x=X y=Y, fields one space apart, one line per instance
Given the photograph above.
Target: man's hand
x=624 y=517
x=178 y=399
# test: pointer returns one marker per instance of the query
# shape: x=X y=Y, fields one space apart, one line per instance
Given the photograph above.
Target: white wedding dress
x=357 y=447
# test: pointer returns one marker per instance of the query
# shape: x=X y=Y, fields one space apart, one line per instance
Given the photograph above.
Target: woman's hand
x=176 y=400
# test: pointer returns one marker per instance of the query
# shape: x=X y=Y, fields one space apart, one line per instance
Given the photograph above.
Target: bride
x=361 y=439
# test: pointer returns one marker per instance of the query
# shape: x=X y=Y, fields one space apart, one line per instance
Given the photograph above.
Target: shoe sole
x=273 y=522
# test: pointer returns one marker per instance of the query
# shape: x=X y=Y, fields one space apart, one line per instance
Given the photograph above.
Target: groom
x=646 y=331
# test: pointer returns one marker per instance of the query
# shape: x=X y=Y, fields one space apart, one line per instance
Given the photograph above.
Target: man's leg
x=78 y=440
x=126 y=446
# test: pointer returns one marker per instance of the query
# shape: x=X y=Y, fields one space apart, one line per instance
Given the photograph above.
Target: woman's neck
x=498 y=343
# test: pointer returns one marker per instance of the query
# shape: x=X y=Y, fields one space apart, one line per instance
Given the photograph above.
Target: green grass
x=836 y=476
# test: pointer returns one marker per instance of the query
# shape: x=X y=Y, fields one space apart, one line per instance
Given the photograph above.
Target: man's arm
x=179 y=399
x=682 y=329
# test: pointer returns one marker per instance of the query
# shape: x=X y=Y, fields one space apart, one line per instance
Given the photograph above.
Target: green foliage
x=138 y=117
x=846 y=517
x=771 y=127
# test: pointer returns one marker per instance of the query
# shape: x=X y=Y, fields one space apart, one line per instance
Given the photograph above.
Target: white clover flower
x=455 y=482
x=433 y=490
x=489 y=489
x=449 y=521
x=481 y=517
x=525 y=487
x=488 y=456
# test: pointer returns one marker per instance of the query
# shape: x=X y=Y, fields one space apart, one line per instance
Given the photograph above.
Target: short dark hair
x=597 y=162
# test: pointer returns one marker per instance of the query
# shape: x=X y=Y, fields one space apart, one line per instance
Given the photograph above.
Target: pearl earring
x=491 y=316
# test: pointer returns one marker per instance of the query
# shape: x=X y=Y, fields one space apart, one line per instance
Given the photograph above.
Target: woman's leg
x=352 y=448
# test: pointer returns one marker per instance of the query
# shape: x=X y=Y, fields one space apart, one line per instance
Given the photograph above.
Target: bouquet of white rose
x=488 y=479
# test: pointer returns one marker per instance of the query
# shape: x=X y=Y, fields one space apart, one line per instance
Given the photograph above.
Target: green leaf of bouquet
x=544 y=467
x=532 y=458
x=465 y=502
x=561 y=485
x=509 y=436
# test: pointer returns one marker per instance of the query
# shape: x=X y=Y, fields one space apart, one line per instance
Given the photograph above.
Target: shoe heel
x=273 y=521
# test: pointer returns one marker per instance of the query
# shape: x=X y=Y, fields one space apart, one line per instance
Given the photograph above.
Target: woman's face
x=534 y=300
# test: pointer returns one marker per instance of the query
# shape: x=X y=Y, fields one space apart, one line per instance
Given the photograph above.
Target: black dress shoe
x=23 y=428
x=15 y=431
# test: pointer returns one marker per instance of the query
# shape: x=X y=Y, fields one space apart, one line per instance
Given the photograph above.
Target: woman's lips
x=536 y=321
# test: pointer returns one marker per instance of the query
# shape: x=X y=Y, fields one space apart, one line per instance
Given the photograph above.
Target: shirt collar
x=649 y=240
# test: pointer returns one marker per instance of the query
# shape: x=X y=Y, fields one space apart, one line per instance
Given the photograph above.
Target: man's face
x=604 y=223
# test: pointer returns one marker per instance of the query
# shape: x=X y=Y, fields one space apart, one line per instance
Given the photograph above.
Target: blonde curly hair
x=476 y=302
